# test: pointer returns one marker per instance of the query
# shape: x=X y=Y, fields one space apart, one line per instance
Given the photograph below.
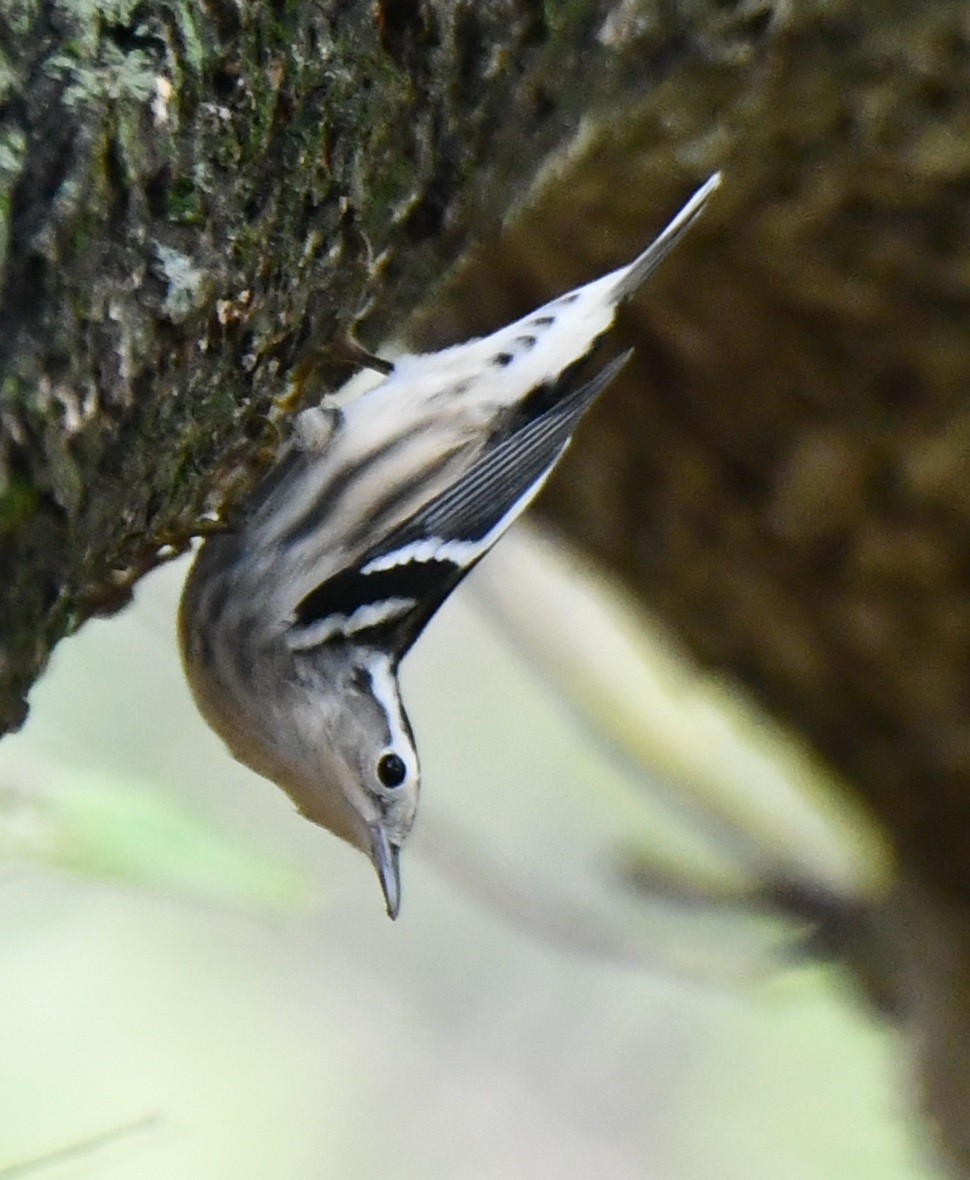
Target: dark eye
x=391 y=770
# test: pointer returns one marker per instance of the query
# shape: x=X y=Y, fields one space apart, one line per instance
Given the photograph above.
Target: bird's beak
x=385 y=856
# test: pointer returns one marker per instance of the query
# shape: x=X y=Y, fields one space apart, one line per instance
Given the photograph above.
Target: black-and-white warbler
x=293 y=625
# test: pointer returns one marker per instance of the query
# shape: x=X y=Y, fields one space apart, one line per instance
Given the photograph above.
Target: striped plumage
x=292 y=625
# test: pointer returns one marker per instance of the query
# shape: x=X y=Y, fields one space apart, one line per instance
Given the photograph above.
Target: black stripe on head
x=361 y=680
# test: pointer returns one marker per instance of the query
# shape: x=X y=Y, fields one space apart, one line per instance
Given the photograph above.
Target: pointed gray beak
x=385 y=856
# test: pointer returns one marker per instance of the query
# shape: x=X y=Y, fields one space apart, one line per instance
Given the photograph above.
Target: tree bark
x=196 y=199
x=783 y=472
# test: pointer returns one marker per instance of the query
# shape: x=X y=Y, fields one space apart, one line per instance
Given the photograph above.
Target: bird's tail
x=641 y=268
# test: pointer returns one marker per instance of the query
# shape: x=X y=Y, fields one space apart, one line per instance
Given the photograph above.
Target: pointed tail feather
x=637 y=273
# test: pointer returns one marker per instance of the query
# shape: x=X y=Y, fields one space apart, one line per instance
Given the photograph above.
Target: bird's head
x=357 y=767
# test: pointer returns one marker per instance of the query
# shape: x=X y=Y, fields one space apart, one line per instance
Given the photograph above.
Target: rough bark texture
x=196 y=197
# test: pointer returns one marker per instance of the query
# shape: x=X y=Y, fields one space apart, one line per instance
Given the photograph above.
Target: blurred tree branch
x=783 y=473
x=198 y=197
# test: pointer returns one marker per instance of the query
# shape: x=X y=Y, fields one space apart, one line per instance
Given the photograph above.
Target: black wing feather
x=504 y=472
x=515 y=460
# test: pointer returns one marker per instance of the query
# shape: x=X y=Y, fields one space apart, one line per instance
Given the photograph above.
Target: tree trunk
x=783 y=472
x=198 y=198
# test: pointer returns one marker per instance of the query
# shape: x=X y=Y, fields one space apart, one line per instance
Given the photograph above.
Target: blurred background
x=196 y=982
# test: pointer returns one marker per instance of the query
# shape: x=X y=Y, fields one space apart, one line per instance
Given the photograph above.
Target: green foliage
x=101 y=826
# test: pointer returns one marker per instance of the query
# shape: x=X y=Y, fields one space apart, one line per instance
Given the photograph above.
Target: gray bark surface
x=195 y=200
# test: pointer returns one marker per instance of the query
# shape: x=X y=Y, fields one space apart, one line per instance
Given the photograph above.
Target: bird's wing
x=394 y=589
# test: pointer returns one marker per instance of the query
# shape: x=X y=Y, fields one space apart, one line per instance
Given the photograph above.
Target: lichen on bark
x=194 y=200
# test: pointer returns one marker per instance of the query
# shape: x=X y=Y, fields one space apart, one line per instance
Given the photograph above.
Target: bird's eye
x=391 y=770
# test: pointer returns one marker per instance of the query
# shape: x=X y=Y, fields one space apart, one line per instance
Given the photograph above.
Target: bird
x=294 y=621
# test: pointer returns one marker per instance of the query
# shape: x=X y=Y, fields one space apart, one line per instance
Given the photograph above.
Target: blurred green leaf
x=114 y=829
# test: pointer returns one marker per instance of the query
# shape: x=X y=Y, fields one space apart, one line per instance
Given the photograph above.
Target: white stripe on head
x=385 y=690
